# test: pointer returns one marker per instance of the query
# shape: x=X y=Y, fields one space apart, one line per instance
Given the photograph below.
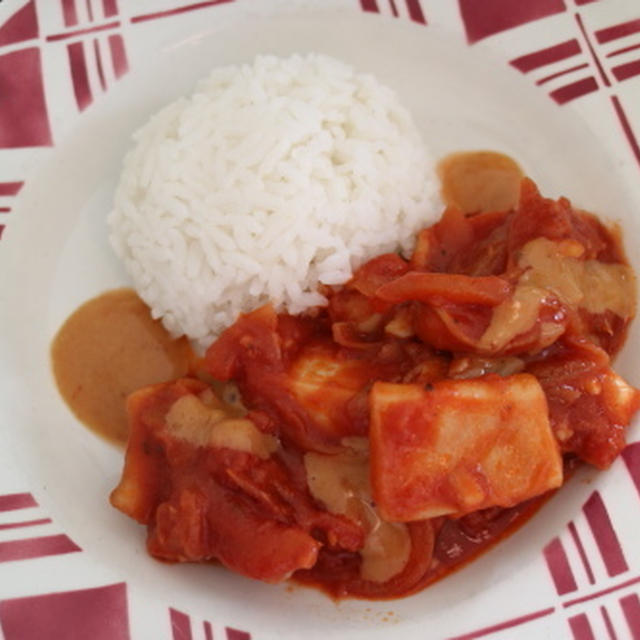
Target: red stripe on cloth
x=631 y=455
x=618 y=31
x=581 y=2
x=234 y=634
x=79 y=75
x=581 y=627
x=96 y=53
x=5 y=209
x=2 y=228
x=508 y=624
x=574 y=90
x=369 y=5
x=208 y=631
x=21 y=26
x=10 y=189
x=488 y=17
x=54 y=37
x=110 y=8
x=553 y=76
x=415 y=11
x=180 y=625
x=99 y=613
x=627 y=70
x=13 y=501
x=635 y=148
x=559 y=567
x=581 y=552
x=118 y=55
x=631 y=608
x=25 y=523
x=172 y=12
x=617 y=52
x=592 y=51
x=546 y=56
x=607 y=623
x=69 y=13
x=602 y=592
x=89 y=10
x=36 y=548
x=605 y=535
x=24 y=121
x=393 y=7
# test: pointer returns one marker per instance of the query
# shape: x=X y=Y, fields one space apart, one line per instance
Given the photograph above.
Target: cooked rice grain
x=271 y=178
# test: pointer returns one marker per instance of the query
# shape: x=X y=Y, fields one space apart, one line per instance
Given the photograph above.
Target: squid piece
x=460 y=445
x=324 y=384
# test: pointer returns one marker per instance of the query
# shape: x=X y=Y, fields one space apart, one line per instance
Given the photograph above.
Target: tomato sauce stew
x=381 y=442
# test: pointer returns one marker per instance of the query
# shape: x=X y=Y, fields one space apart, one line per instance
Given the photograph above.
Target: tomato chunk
x=208 y=489
x=590 y=406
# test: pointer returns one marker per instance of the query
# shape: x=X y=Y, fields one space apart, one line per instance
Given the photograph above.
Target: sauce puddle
x=480 y=181
x=108 y=348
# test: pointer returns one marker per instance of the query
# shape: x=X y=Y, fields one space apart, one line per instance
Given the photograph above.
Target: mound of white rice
x=271 y=178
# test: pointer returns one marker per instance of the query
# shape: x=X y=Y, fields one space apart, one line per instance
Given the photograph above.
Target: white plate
x=555 y=84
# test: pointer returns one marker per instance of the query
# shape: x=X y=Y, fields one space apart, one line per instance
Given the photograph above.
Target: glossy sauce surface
x=478 y=181
x=108 y=348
